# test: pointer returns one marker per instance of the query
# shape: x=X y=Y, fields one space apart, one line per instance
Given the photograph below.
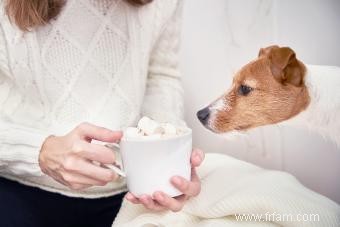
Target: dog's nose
x=203 y=115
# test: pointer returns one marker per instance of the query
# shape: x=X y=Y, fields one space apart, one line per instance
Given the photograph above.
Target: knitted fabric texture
x=236 y=193
x=104 y=62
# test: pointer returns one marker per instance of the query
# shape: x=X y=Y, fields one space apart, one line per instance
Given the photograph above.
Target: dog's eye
x=244 y=90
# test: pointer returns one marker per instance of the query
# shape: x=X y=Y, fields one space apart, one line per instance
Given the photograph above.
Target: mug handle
x=115 y=148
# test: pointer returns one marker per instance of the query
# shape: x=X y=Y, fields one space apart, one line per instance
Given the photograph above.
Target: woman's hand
x=160 y=201
x=69 y=159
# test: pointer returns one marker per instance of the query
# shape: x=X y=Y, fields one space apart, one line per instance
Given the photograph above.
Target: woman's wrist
x=43 y=147
x=46 y=141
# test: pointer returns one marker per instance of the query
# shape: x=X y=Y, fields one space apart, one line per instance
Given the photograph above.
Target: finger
x=197 y=157
x=59 y=178
x=167 y=202
x=75 y=178
x=194 y=177
x=190 y=188
x=84 y=167
x=130 y=197
x=89 y=131
x=94 y=152
x=150 y=204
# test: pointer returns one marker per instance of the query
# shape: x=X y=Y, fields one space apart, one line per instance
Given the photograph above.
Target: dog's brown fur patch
x=278 y=92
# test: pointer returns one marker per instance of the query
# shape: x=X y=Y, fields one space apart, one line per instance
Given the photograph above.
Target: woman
x=105 y=62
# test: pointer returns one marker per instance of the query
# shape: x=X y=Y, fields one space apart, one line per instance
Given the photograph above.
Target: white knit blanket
x=233 y=189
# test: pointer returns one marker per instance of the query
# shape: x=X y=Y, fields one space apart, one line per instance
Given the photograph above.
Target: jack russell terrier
x=277 y=87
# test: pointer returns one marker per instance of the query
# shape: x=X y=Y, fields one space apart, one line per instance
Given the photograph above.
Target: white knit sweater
x=101 y=61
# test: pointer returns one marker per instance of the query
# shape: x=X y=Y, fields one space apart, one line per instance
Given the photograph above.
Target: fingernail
x=160 y=197
x=201 y=154
x=177 y=180
x=145 y=199
x=128 y=196
x=197 y=158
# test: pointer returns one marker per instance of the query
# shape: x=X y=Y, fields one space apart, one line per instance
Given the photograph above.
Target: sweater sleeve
x=163 y=99
x=19 y=144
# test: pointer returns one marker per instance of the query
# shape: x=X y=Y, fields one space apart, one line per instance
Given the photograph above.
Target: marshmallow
x=150 y=129
x=169 y=129
x=149 y=126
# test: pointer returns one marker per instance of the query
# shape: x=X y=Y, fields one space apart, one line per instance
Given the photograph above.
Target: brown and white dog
x=277 y=87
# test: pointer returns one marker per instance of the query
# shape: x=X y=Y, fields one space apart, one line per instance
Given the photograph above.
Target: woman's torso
x=89 y=64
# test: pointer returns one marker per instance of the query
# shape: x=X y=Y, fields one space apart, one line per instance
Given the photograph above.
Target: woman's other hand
x=70 y=159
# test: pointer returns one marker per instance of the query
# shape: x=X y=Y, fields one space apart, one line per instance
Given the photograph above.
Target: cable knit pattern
x=163 y=71
x=101 y=61
x=231 y=187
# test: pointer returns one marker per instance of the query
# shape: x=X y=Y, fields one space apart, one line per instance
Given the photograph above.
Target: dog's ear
x=265 y=51
x=284 y=66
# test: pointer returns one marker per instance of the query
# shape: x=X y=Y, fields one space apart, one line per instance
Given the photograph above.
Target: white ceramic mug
x=149 y=163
